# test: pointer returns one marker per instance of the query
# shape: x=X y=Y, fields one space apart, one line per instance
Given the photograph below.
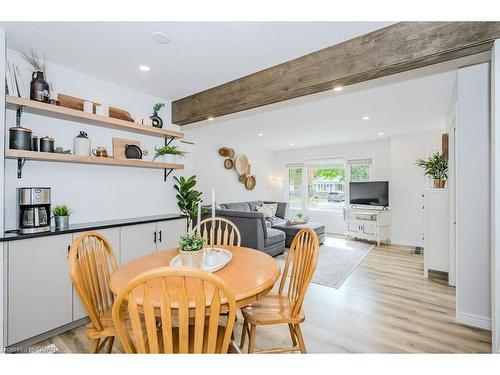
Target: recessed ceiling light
x=144 y=68
x=338 y=88
x=260 y=134
x=210 y=118
x=292 y=144
x=160 y=37
x=366 y=117
x=380 y=133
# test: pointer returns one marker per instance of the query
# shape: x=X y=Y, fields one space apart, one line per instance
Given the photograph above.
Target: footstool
x=292 y=229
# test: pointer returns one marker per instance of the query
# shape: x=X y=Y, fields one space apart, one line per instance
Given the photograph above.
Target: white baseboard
x=402 y=242
x=474 y=320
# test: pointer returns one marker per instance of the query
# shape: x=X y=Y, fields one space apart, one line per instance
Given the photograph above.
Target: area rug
x=338 y=258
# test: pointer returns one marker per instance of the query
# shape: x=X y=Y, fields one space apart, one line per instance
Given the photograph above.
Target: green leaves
x=157 y=107
x=191 y=242
x=61 y=210
x=188 y=199
x=435 y=166
x=168 y=150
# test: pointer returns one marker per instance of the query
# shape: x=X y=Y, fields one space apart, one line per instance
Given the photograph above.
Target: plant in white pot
x=168 y=154
x=191 y=250
x=435 y=166
x=61 y=216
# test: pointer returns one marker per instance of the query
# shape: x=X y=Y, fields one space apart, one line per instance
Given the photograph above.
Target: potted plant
x=188 y=199
x=155 y=119
x=61 y=216
x=191 y=250
x=435 y=166
x=167 y=154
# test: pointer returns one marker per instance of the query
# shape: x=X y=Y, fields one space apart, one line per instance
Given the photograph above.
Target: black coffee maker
x=34 y=209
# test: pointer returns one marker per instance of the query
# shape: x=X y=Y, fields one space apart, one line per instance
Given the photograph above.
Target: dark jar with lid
x=39 y=88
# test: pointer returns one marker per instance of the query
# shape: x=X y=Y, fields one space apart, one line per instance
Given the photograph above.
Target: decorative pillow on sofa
x=269 y=210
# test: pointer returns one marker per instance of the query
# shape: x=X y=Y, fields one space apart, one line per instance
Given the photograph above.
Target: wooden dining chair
x=91 y=262
x=286 y=306
x=186 y=317
x=218 y=231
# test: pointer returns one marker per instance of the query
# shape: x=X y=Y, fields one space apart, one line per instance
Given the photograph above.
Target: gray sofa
x=256 y=232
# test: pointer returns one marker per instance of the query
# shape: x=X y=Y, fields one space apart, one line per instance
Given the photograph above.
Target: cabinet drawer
x=137 y=240
x=169 y=233
x=39 y=287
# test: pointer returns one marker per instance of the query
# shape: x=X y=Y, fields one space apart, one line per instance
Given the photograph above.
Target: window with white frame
x=295 y=187
x=359 y=170
x=325 y=186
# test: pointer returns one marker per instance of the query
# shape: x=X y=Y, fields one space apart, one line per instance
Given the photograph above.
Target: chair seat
x=108 y=327
x=271 y=309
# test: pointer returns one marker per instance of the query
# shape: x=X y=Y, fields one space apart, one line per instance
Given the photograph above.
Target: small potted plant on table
x=61 y=216
x=191 y=250
x=167 y=154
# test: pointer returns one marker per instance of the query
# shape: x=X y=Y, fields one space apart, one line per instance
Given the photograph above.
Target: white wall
x=407 y=184
x=495 y=197
x=208 y=166
x=93 y=192
x=473 y=276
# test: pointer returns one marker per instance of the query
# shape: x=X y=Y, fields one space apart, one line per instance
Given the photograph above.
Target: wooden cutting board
x=72 y=102
x=119 y=146
x=120 y=114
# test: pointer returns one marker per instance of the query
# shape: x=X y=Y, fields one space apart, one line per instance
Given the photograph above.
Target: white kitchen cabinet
x=113 y=237
x=169 y=233
x=137 y=240
x=39 y=286
x=436 y=233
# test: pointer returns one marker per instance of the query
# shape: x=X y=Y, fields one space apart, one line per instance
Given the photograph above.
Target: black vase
x=156 y=121
x=39 y=88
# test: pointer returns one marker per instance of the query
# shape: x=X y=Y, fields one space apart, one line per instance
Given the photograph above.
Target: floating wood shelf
x=65 y=158
x=50 y=110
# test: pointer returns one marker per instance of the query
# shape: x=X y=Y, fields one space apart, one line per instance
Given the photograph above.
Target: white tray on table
x=222 y=256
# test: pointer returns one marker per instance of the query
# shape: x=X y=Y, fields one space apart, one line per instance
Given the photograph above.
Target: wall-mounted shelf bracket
x=168 y=140
x=20 y=165
x=19 y=113
x=167 y=173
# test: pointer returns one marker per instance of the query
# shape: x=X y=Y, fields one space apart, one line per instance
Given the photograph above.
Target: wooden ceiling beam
x=394 y=49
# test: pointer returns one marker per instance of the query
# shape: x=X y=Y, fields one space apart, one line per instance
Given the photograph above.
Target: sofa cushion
x=273 y=236
x=254 y=204
x=274 y=221
x=237 y=206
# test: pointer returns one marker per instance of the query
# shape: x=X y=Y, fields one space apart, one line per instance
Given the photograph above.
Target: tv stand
x=368 y=223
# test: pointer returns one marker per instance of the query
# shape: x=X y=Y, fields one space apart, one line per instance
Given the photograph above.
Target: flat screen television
x=373 y=193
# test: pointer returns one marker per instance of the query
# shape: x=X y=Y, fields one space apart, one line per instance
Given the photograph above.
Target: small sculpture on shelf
x=155 y=119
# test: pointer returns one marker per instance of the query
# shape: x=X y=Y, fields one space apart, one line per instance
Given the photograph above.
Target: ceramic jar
x=81 y=144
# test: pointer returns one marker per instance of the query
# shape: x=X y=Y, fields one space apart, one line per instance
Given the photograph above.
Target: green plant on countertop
x=188 y=198
x=191 y=242
x=168 y=150
x=61 y=210
x=435 y=166
x=157 y=107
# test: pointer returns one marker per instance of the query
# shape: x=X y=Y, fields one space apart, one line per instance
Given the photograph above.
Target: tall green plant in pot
x=188 y=198
x=435 y=166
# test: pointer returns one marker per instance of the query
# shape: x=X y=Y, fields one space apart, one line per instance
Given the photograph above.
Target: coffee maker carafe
x=34 y=209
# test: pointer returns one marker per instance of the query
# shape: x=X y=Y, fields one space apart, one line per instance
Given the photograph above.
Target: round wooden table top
x=249 y=274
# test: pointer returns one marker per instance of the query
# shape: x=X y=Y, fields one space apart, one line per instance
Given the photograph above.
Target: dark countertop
x=14 y=236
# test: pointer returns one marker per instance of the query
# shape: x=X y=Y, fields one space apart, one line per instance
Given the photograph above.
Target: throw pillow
x=269 y=210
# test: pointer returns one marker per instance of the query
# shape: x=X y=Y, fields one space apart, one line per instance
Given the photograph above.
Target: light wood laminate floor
x=385 y=306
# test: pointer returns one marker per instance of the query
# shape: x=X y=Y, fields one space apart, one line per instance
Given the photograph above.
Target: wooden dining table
x=249 y=274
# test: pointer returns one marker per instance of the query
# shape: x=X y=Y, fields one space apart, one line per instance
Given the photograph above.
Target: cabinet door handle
x=154 y=237
x=160 y=237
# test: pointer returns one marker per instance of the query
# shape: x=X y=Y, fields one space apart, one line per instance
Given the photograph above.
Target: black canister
x=34 y=143
x=39 y=88
x=20 y=138
x=46 y=144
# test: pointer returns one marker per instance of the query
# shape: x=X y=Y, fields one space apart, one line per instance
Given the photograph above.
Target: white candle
x=213 y=204
x=198 y=218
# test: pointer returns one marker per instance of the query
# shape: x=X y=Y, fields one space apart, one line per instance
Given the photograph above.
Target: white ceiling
x=200 y=55
x=395 y=107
